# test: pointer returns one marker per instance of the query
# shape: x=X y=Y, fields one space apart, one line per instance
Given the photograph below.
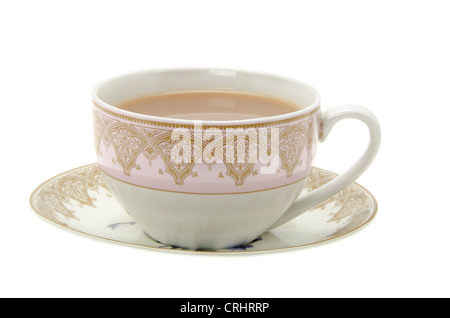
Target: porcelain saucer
x=79 y=200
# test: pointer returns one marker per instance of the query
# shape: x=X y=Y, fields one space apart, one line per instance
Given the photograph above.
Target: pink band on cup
x=138 y=152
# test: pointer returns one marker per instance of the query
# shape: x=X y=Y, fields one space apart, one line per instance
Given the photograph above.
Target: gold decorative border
x=130 y=140
x=311 y=114
x=62 y=188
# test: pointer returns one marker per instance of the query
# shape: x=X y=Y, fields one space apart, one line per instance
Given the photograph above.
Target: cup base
x=190 y=247
x=203 y=221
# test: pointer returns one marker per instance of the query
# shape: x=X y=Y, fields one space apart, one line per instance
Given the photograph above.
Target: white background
x=390 y=56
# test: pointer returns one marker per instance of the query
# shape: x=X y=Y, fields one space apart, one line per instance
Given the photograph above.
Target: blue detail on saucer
x=170 y=247
x=243 y=247
x=120 y=225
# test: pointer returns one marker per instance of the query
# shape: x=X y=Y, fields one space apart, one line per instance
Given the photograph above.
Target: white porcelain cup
x=206 y=199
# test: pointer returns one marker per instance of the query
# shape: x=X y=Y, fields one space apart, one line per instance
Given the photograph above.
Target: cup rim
x=190 y=122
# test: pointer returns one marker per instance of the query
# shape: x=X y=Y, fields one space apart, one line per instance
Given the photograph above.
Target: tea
x=209 y=105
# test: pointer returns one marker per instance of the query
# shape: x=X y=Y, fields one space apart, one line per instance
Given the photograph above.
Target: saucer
x=79 y=200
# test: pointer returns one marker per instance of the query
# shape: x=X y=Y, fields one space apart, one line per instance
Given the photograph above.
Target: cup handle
x=329 y=118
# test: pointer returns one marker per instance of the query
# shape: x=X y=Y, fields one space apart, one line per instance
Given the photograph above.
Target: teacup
x=199 y=204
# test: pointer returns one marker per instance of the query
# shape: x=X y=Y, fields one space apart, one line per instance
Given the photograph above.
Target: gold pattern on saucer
x=345 y=203
x=54 y=200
